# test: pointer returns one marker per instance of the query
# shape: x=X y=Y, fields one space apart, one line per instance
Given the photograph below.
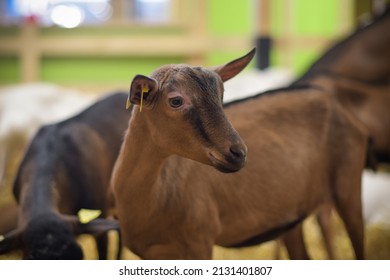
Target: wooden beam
x=303 y=43
x=198 y=29
x=139 y=46
x=120 y=46
x=288 y=23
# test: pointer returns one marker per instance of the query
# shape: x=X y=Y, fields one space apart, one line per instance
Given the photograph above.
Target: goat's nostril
x=238 y=150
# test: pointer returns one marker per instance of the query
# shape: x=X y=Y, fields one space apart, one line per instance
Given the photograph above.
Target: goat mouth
x=224 y=166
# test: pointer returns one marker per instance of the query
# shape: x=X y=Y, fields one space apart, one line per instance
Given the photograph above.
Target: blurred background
x=106 y=42
x=58 y=56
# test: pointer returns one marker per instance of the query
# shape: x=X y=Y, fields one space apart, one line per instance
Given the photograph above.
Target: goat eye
x=176 y=102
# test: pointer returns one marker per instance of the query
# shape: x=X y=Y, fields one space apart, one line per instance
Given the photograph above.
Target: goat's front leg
x=102 y=245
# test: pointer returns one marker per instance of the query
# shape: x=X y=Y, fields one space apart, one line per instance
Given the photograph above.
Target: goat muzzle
x=232 y=161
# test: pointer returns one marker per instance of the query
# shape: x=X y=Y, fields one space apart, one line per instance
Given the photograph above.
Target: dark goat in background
x=364 y=55
x=357 y=70
x=66 y=168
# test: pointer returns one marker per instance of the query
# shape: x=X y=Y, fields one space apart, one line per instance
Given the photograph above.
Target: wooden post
x=198 y=28
x=118 y=13
x=264 y=23
x=263 y=38
x=29 y=53
x=346 y=17
x=287 y=37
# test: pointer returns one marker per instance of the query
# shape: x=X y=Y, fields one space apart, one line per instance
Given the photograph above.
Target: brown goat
x=357 y=71
x=370 y=105
x=303 y=150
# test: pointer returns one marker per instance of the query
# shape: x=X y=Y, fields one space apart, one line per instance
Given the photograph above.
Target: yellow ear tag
x=87 y=215
x=128 y=102
x=2 y=238
x=145 y=88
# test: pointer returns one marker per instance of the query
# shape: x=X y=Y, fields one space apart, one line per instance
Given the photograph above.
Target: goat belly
x=267 y=236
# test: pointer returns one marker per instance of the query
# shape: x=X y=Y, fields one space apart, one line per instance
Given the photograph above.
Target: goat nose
x=238 y=151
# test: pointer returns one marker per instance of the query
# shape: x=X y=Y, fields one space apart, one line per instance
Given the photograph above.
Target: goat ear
x=232 y=68
x=142 y=90
x=10 y=241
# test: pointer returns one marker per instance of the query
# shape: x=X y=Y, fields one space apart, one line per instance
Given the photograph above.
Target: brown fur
x=357 y=71
x=368 y=103
x=303 y=150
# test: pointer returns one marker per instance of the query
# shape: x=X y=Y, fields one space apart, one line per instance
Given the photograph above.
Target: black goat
x=67 y=167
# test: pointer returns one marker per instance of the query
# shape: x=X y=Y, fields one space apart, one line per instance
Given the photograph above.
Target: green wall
x=9 y=69
x=100 y=70
x=318 y=18
x=229 y=19
x=225 y=19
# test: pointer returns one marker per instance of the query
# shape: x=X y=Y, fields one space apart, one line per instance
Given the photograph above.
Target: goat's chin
x=225 y=167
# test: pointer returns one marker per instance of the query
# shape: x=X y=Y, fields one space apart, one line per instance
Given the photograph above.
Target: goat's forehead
x=185 y=76
x=173 y=69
